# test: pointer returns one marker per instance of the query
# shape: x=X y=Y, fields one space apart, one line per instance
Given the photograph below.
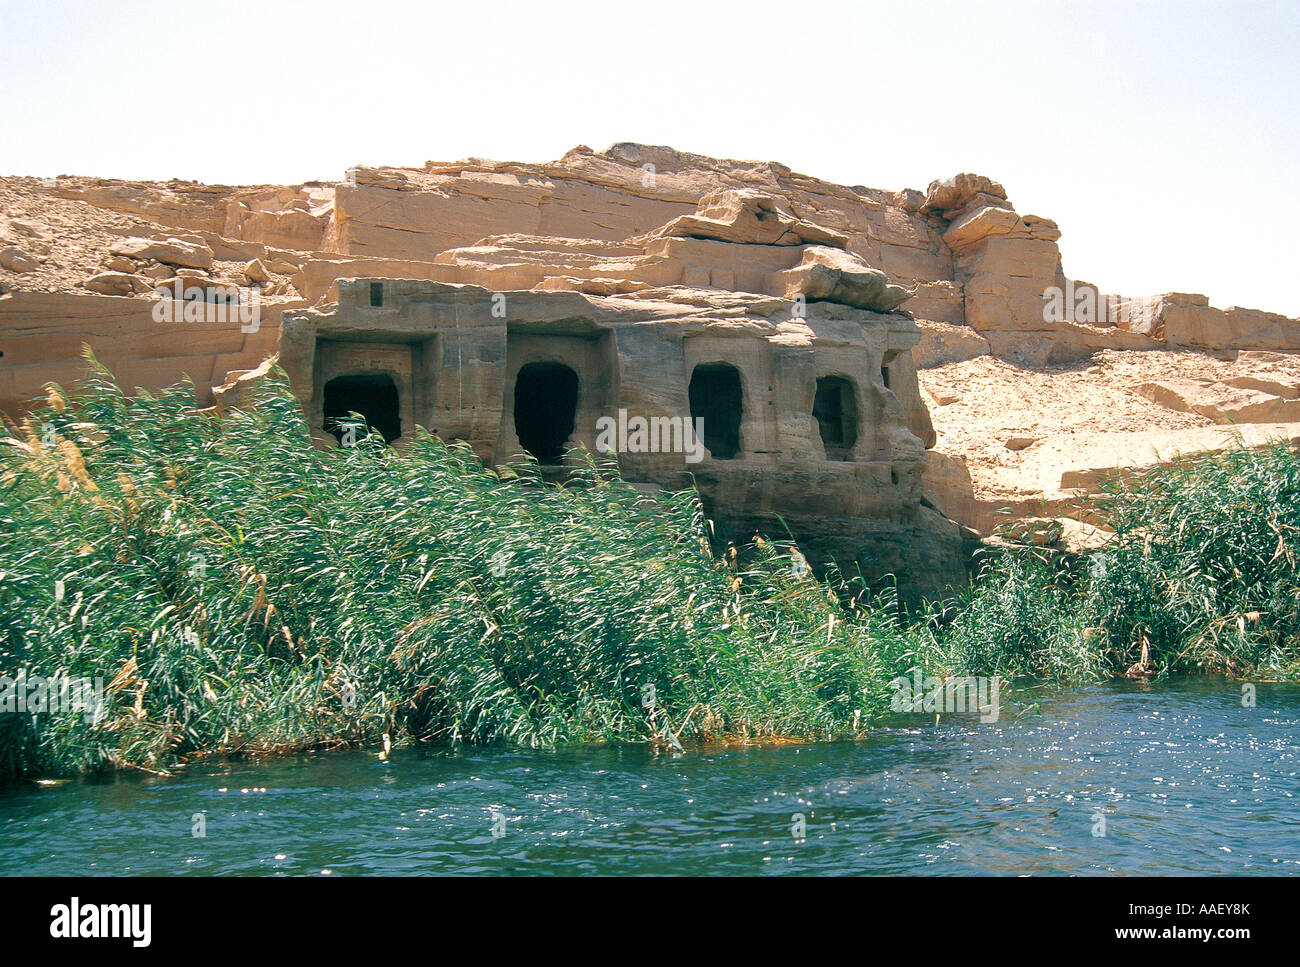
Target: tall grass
x=1205 y=567
x=1203 y=574
x=1019 y=619
x=242 y=591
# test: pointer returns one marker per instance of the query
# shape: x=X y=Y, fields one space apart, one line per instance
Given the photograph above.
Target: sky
x=1161 y=136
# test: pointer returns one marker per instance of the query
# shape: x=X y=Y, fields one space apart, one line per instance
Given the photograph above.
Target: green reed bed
x=240 y=591
x=1205 y=567
x=1202 y=574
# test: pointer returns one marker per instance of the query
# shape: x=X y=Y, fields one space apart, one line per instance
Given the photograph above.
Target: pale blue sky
x=1162 y=136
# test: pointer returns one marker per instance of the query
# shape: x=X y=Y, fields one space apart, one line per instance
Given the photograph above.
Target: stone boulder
x=981 y=222
x=1081 y=537
x=1032 y=531
x=1188 y=319
x=1041 y=228
x=27 y=229
x=1081 y=461
x=241 y=385
x=956 y=193
x=120 y=263
x=1287 y=389
x=942 y=343
x=946 y=484
x=111 y=283
x=172 y=251
x=748 y=217
x=1255 y=329
x=256 y=273
x=1220 y=402
x=16 y=260
x=831 y=275
x=391 y=178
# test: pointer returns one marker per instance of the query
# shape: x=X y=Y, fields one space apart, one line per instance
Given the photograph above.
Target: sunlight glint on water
x=1187 y=779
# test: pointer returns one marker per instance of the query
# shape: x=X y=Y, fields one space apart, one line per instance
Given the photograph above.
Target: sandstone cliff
x=1008 y=401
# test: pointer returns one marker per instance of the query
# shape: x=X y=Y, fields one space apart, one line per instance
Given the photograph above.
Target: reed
x=243 y=592
x=1205 y=567
x=1202 y=576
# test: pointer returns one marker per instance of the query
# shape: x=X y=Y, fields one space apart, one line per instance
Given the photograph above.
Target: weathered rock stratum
x=885 y=373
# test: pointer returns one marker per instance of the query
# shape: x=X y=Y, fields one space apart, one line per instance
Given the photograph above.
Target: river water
x=1172 y=778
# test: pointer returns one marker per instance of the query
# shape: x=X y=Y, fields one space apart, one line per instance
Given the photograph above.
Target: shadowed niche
x=716 y=398
x=546 y=401
x=373 y=395
x=836 y=413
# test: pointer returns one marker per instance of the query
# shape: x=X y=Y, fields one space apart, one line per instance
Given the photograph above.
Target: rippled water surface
x=1186 y=779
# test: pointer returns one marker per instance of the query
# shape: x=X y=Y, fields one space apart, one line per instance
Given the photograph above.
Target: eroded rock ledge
x=916 y=326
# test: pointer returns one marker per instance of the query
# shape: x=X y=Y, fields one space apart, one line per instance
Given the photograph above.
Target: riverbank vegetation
x=238 y=591
x=1201 y=576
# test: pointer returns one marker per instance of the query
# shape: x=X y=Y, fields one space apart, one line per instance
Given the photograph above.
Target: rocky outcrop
x=648 y=251
x=843 y=476
x=748 y=217
x=829 y=275
x=44 y=334
x=285 y=217
x=629 y=190
x=1224 y=403
x=171 y=251
x=1003 y=264
x=943 y=343
x=1186 y=319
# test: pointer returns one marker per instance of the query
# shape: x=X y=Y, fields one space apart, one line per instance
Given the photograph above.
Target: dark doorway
x=716 y=398
x=836 y=412
x=373 y=395
x=546 y=401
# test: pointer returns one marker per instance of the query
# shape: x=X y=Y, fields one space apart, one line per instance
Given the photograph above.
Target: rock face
x=1189 y=320
x=629 y=190
x=868 y=357
x=801 y=422
x=741 y=215
x=39 y=327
